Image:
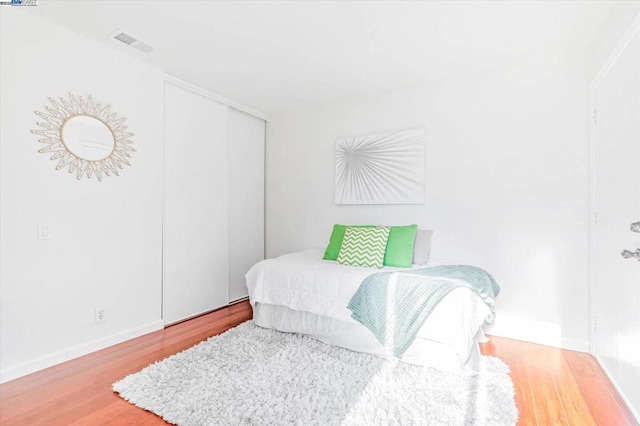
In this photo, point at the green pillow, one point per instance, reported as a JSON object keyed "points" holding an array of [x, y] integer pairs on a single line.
{"points": [[400, 246], [364, 246], [335, 242]]}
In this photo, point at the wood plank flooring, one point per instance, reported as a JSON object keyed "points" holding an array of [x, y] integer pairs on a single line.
{"points": [[553, 386], [559, 387]]}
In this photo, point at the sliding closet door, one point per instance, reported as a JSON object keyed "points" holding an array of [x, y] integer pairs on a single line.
{"points": [[195, 217], [246, 198]]}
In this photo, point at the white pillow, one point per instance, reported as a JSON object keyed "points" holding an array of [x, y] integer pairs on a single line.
{"points": [[422, 247]]}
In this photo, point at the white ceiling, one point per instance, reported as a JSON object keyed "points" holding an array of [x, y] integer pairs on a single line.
{"points": [[273, 56]]}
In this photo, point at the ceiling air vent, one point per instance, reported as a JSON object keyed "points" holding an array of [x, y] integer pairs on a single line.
{"points": [[125, 38], [132, 41]]}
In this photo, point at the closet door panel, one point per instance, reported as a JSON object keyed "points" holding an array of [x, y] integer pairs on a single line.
{"points": [[196, 194], [246, 198]]}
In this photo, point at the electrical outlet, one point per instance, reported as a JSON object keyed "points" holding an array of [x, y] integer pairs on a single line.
{"points": [[101, 315]]}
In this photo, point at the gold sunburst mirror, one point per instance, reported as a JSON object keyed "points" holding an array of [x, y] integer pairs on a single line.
{"points": [[85, 137]]}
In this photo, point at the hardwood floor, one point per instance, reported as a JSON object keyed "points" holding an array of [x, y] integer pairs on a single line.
{"points": [[553, 386], [559, 387]]}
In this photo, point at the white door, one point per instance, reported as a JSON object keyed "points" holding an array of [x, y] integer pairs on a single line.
{"points": [[195, 234], [246, 198], [616, 205]]}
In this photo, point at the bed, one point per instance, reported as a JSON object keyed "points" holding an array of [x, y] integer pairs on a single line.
{"points": [[303, 293]]}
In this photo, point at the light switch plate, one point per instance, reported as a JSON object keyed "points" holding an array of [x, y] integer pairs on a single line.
{"points": [[43, 232]]}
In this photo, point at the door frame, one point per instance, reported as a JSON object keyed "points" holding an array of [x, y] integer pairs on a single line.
{"points": [[623, 43]]}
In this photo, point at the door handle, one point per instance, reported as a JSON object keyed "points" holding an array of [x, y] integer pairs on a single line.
{"points": [[635, 227], [627, 254]]}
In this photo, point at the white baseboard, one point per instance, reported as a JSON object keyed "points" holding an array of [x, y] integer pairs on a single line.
{"points": [[238, 300], [622, 395], [58, 357], [575, 345], [540, 332]]}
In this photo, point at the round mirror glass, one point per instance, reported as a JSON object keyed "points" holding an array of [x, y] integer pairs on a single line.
{"points": [[87, 137]]}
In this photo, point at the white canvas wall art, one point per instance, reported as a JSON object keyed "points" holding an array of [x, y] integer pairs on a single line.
{"points": [[382, 168]]}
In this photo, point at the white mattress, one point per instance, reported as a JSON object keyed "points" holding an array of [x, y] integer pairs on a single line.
{"points": [[305, 282]]}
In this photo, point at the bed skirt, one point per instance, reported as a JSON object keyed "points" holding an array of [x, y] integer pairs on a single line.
{"points": [[357, 337]]}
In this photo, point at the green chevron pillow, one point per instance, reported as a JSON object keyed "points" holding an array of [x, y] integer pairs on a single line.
{"points": [[364, 246]]}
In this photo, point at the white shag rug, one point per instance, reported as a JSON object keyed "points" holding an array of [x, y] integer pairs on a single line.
{"points": [[255, 376]]}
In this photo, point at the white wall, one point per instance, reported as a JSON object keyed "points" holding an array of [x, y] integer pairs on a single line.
{"points": [[105, 249], [506, 183], [617, 22]]}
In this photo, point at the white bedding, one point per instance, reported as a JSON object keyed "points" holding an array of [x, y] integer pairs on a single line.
{"points": [[306, 283]]}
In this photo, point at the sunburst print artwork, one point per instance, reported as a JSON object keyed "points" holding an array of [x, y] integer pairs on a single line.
{"points": [[384, 168], [85, 137]]}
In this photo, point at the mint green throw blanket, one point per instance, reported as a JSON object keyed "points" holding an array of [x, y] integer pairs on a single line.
{"points": [[395, 305]]}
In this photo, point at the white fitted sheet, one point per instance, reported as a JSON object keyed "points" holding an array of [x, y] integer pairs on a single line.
{"points": [[304, 282]]}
